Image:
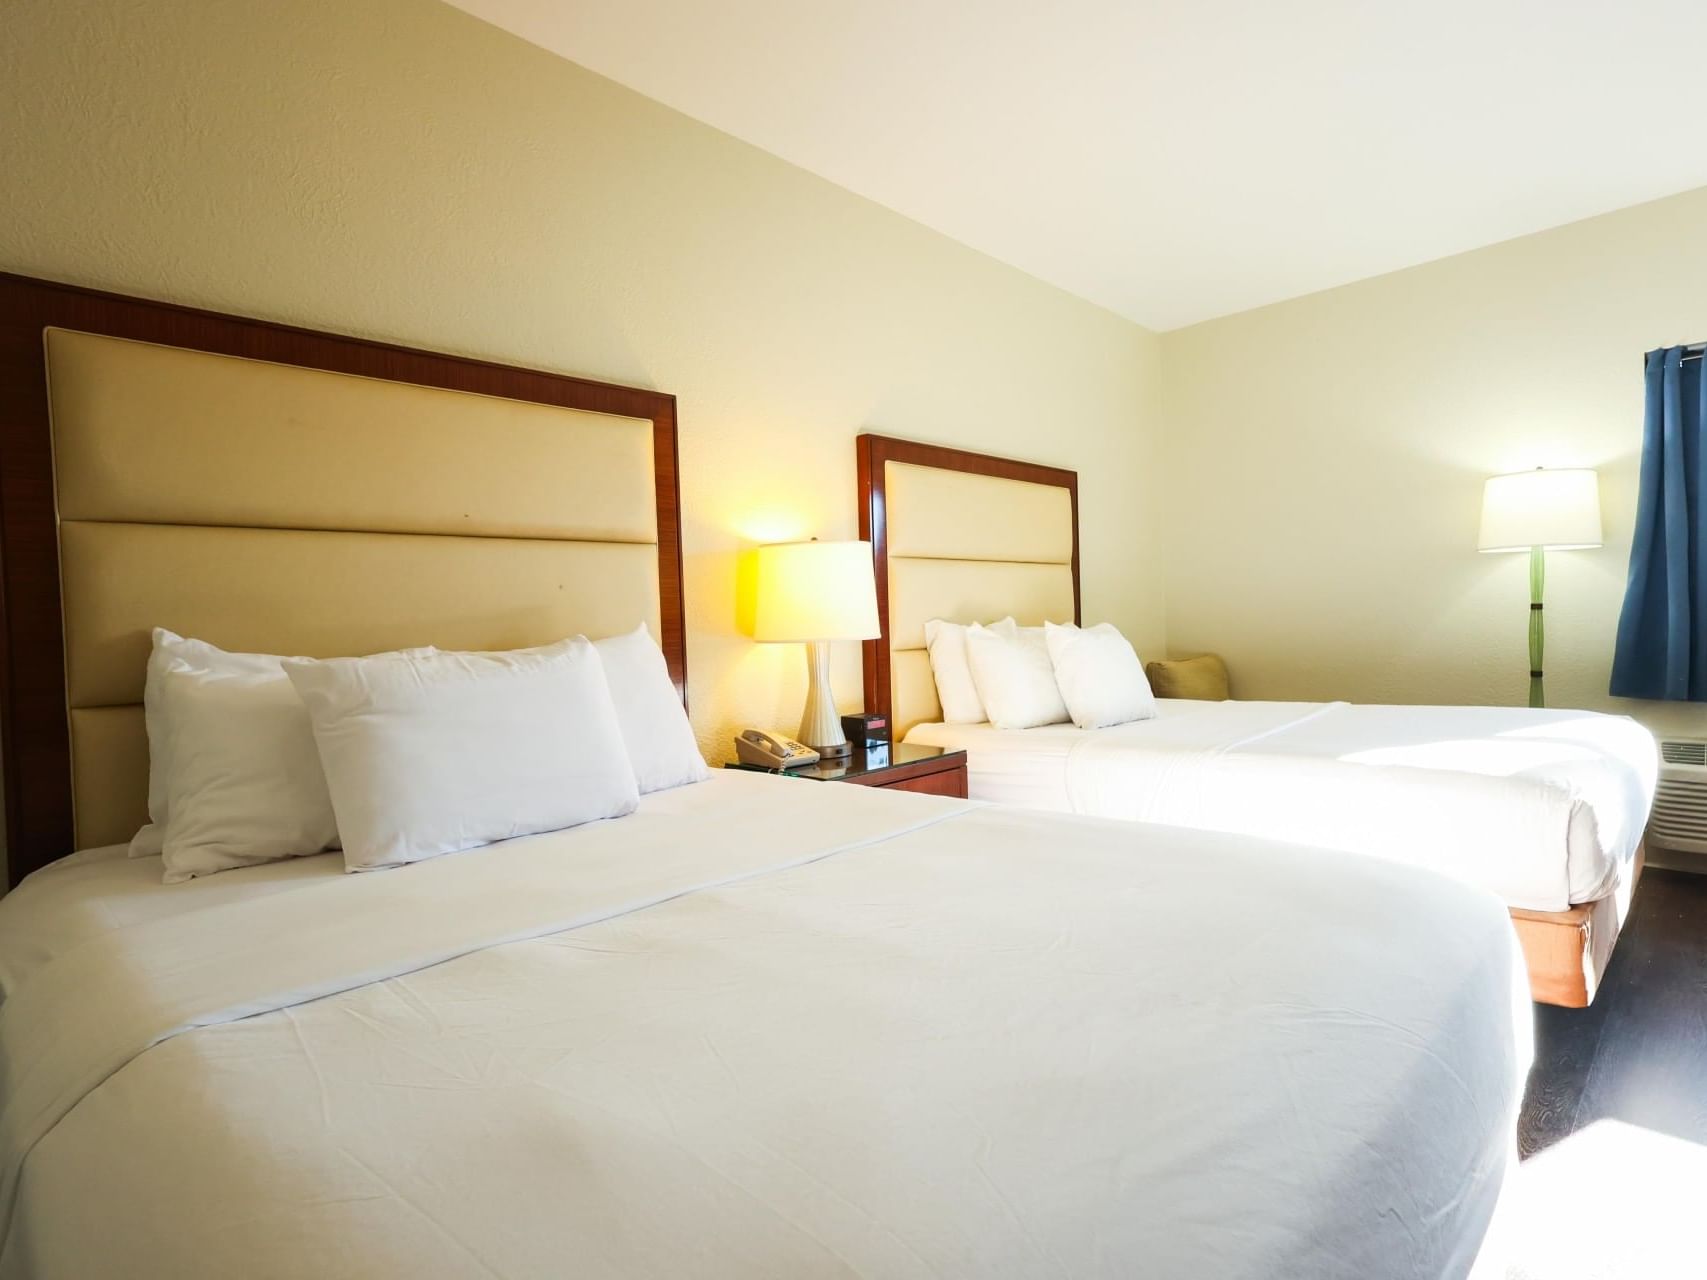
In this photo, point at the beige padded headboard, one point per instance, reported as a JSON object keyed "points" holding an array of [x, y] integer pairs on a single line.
{"points": [[960, 536], [294, 511], [333, 497], [276, 509]]}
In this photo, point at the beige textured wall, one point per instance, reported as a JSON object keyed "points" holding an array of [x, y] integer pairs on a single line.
{"points": [[397, 169], [1324, 462]]}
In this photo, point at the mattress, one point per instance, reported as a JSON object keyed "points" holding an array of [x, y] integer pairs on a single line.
{"points": [[761, 1028], [1543, 808]]}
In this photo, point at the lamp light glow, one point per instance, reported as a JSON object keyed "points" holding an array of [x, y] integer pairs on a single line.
{"points": [[807, 591], [1555, 510]]}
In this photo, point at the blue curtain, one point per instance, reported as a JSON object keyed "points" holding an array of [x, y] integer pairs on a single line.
{"points": [[1662, 632]]}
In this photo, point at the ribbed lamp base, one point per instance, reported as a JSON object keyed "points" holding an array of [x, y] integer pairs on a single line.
{"points": [[820, 723]]}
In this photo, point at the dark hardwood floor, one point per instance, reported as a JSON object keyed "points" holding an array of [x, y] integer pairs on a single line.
{"points": [[1639, 1052]]}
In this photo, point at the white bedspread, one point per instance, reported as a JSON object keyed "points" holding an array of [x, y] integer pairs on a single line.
{"points": [[762, 1028], [1544, 808]]}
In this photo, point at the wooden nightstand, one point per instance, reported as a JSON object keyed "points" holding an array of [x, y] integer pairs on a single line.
{"points": [[900, 767]]}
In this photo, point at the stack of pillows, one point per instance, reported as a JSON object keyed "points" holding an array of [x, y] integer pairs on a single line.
{"points": [[399, 756], [1021, 677]]}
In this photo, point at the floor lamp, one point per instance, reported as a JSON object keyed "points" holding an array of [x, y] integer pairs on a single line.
{"points": [[1540, 511]]}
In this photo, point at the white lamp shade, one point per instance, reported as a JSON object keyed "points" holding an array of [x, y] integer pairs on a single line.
{"points": [[807, 591], [1558, 510]]}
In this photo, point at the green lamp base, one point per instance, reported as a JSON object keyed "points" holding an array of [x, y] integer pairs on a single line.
{"points": [[1537, 631]]}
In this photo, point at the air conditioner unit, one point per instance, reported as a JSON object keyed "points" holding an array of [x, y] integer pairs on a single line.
{"points": [[1679, 820]]}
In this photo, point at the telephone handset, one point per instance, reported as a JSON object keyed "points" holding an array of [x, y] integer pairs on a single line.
{"points": [[755, 746]]}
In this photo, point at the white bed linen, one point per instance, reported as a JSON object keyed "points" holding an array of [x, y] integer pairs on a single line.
{"points": [[931, 1039], [1544, 808]]}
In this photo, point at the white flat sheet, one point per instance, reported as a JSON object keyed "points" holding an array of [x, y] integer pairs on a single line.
{"points": [[763, 1028], [1544, 808]]}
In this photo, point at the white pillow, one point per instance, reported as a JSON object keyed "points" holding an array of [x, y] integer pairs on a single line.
{"points": [[1014, 676], [432, 753], [1099, 675], [173, 652], [244, 785], [945, 642], [655, 727]]}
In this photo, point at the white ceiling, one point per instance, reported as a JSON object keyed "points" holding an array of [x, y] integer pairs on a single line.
{"points": [[1176, 161]]}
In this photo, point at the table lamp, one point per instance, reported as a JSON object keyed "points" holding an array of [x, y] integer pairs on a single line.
{"points": [[812, 593], [1539, 511]]}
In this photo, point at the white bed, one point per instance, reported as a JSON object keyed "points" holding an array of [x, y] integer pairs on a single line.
{"points": [[1543, 808], [716, 1039]]}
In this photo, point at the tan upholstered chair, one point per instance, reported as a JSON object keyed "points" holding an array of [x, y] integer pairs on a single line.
{"points": [[1204, 678]]}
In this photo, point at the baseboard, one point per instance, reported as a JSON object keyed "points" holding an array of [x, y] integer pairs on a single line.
{"points": [[1677, 860]]}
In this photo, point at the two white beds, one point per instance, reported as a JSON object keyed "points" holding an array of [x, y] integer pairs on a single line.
{"points": [[1545, 809], [757, 1028]]}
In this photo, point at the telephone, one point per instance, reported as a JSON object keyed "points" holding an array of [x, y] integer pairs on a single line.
{"points": [[755, 746]]}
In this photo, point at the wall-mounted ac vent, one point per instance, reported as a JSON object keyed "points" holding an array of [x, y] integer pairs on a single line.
{"points": [[1684, 751], [1679, 820]]}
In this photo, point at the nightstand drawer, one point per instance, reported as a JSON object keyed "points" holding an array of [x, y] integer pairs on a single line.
{"points": [[948, 782]]}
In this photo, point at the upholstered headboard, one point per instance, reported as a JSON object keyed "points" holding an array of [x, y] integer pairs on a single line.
{"points": [[962, 536], [283, 491]]}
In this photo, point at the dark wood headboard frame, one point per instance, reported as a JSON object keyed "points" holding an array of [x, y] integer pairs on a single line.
{"points": [[34, 735], [874, 452]]}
